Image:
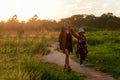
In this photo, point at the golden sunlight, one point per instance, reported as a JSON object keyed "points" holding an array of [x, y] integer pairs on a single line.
{"points": [[45, 9], [49, 9]]}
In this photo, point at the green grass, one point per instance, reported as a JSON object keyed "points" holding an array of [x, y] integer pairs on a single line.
{"points": [[13, 53], [20, 60], [23, 46], [104, 52], [32, 70]]}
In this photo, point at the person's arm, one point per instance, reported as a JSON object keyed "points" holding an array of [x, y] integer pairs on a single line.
{"points": [[60, 38], [75, 35]]}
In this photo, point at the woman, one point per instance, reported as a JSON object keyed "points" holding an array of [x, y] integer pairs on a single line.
{"points": [[65, 40]]}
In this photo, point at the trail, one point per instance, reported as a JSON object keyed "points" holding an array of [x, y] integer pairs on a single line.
{"points": [[91, 74]]}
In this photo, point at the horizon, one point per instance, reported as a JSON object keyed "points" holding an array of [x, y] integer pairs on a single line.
{"points": [[51, 19], [56, 9]]}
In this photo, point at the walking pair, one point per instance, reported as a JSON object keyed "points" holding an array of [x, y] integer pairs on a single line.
{"points": [[65, 41]]}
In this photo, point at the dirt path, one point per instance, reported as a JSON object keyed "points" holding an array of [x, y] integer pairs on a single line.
{"points": [[91, 74]]}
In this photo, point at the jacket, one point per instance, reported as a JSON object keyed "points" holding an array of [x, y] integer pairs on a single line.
{"points": [[82, 45], [64, 41]]}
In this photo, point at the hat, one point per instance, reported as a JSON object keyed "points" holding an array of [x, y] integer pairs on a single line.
{"points": [[81, 30]]}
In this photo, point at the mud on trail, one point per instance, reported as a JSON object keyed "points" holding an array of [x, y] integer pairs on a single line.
{"points": [[58, 58]]}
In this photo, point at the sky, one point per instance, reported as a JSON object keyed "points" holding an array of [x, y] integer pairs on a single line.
{"points": [[56, 9]]}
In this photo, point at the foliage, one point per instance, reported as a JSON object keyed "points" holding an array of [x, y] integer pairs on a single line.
{"points": [[104, 52], [105, 21], [35, 25]]}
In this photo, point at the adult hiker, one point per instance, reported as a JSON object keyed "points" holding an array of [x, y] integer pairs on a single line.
{"points": [[82, 47], [65, 40]]}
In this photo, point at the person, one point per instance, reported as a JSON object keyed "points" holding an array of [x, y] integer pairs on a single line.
{"points": [[82, 47], [65, 41]]}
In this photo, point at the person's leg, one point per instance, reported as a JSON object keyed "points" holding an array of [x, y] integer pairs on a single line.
{"points": [[81, 60], [66, 65], [67, 60]]}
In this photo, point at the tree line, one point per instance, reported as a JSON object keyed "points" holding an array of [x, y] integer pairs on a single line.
{"points": [[105, 21], [34, 24]]}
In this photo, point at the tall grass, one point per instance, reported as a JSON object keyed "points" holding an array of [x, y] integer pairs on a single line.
{"points": [[32, 70], [104, 51], [15, 50], [13, 53], [20, 55], [27, 46]]}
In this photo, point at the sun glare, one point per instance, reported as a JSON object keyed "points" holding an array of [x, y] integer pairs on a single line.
{"points": [[49, 8], [45, 9]]}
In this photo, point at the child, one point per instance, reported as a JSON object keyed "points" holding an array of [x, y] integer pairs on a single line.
{"points": [[82, 47]]}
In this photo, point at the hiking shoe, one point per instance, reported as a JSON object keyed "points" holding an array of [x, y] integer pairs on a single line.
{"points": [[81, 65]]}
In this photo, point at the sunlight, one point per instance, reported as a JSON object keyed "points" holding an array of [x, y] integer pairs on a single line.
{"points": [[45, 9], [49, 9], [55, 9]]}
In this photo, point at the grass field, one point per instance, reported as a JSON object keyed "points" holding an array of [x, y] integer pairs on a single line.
{"points": [[20, 58], [104, 51]]}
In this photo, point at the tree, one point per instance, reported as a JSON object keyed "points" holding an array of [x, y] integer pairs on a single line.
{"points": [[12, 24], [33, 24], [113, 25], [14, 19]]}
